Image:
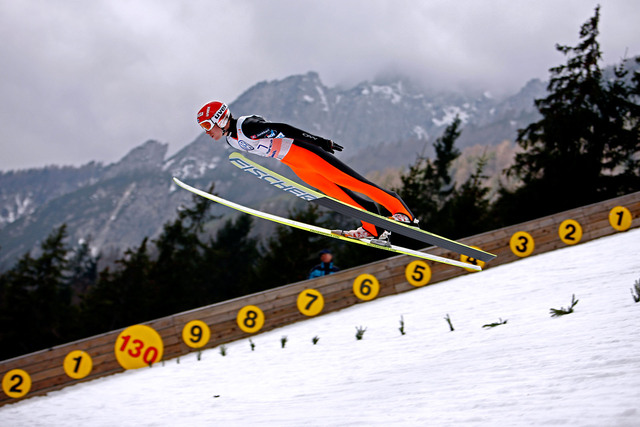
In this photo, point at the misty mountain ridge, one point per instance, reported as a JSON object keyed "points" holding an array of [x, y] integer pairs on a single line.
{"points": [[382, 125]]}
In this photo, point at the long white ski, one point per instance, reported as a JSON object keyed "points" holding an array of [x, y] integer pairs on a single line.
{"points": [[310, 195], [322, 231]]}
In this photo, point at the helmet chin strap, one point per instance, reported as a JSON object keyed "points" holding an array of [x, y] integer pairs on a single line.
{"points": [[228, 126]]}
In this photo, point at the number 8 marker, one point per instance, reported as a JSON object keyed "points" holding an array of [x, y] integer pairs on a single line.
{"points": [[250, 319]]}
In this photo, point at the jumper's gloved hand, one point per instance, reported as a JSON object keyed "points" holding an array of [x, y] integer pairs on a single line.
{"points": [[329, 145]]}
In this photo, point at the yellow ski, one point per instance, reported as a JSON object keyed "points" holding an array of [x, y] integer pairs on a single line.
{"points": [[310, 195], [322, 231]]}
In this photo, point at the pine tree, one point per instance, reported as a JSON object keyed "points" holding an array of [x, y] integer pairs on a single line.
{"points": [[82, 270], [36, 310], [428, 184], [290, 253], [121, 297], [178, 276], [229, 262], [443, 206], [466, 211], [586, 147]]}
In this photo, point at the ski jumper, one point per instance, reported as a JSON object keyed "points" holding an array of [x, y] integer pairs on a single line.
{"points": [[300, 151]]}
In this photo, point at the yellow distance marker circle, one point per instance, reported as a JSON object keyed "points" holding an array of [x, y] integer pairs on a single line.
{"points": [[570, 231], [366, 287], [250, 319], [310, 302], [522, 244], [470, 260], [418, 273], [620, 218], [138, 346], [196, 334], [78, 364], [16, 383]]}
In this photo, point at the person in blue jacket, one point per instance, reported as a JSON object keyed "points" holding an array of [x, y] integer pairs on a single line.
{"points": [[325, 267]]}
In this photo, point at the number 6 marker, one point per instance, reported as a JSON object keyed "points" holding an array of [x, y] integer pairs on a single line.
{"points": [[366, 287]]}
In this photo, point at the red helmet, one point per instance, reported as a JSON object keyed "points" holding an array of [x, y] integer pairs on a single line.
{"points": [[213, 113]]}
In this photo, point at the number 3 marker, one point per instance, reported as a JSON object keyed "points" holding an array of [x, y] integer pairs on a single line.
{"points": [[522, 244]]}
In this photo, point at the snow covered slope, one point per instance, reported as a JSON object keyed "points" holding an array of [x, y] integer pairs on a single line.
{"points": [[582, 369]]}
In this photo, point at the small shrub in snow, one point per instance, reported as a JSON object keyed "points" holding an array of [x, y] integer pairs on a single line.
{"points": [[402, 325], [253, 346], [360, 332], [223, 350], [493, 325], [448, 319], [636, 291], [283, 341], [563, 311], [315, 340]]}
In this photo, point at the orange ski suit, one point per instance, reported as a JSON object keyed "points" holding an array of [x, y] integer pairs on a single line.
{"points": [[306, 155], [332, 177]]}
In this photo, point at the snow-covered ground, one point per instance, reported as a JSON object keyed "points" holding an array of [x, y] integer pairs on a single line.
{"points": [[582, 369]]}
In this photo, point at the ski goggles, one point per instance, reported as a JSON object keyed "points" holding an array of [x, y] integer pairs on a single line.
{"points": [[207, 124]]}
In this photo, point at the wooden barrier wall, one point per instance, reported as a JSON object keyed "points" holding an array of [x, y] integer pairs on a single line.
{"points": [[40, 372]]}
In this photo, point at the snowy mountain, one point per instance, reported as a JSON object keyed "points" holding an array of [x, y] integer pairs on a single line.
{"points": [[382, 124], [387, 110]]}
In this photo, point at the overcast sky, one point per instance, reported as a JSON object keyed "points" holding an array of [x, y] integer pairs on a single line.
{"points": [[90, 80]]}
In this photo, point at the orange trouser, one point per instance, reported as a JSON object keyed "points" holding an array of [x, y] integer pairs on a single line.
{"points": [[325, 172]]}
